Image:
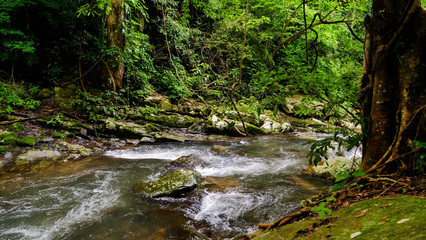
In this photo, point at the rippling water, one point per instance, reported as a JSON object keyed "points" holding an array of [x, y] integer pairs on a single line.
{"points": [[92, 198]]}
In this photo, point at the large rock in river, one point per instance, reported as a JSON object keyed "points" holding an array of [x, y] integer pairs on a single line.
{"points": [[174, 184], [189, 162]]}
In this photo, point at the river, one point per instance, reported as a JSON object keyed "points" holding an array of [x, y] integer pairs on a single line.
{"points": [[92, 198]]}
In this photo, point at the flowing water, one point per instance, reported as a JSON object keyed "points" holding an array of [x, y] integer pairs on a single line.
{"points": [[92, 198]]}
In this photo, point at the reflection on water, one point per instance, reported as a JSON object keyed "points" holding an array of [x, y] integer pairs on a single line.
{"points": [[92, 198]]}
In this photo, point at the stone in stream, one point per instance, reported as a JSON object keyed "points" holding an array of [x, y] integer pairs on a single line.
{"points": [[174, 184], [189, 162], [219, 150]]}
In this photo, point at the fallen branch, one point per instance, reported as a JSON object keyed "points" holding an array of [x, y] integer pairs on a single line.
{"points": [[18, 120]]}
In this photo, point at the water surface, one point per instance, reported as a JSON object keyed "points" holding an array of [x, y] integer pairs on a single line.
{"points": [[92, 198]]}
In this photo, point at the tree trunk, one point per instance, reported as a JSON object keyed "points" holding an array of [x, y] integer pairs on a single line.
{"points": [[393, 86], [115, 24]]}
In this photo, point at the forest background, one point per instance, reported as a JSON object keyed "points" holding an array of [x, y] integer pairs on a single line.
{"points": [[248, 55]]}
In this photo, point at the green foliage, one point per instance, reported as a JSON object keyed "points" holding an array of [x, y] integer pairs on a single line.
{"points": [[322, 209], [14, 96], [341, 177], [55, 120], [420, 155]]}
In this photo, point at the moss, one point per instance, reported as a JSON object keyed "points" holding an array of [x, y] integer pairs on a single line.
{"points": [[3, 149], [381, 221], [41, 165], [28, 141], [8, 138], [17, 127], [172, 183], [58, 135]]}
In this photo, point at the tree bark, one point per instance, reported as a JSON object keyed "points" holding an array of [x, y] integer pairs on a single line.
{"points": [[393, 85], [115, 24]]}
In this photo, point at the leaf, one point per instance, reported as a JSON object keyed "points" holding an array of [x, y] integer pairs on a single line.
{"points": [[337, 186], [358, 174], [275, 110], [361, 214], [321, 215], [342, 176], [329, 199]]}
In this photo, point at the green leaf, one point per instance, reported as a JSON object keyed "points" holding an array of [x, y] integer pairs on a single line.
{"points": [[358, 174], [276, 110], [342, 176], [337, 186], [321, 215]]}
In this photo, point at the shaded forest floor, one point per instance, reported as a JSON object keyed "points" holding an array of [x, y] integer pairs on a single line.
{"points": [[378, 207]]}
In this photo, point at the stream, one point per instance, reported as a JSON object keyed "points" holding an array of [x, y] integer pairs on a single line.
{"points": [[92, 198]]}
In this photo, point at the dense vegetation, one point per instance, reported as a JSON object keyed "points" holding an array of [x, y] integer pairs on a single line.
{"points": [[254, 53]]}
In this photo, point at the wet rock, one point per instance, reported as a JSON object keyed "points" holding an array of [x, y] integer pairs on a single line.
{"points": [[174, 184], [219, 150], [173, 120], [189, 162], [133, 141], [332, 167], [74, 148], [169, 137], [221, 184], [127, 129], [35, 155]]}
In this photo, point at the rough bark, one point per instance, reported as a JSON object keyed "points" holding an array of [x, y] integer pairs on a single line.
{"points": [[393, 85], [115, 24]]}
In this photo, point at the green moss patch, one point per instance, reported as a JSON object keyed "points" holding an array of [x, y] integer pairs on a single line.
{"points": [[28, 141], [382, 218]]}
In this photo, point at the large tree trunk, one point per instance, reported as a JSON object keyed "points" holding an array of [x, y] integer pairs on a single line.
{"points": [[115, 24], [393, 85]]}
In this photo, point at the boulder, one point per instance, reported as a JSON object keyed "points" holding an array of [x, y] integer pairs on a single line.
{"points": [[219, 150], [74, 148], [169, 137], [173, 120], [127, 129], [230, 127], [332, 167], [36, 155], [175, 184], [189, 162], [271, 126]]}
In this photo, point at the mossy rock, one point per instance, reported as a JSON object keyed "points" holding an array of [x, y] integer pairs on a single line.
{"points": [[127, 129], [175, 184], [58, 135], [28, 141], [332, 167], [386, 218], [189, 162], [8, 138], [44, 93], [174, 120], [169, 137], [219, 149]]}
